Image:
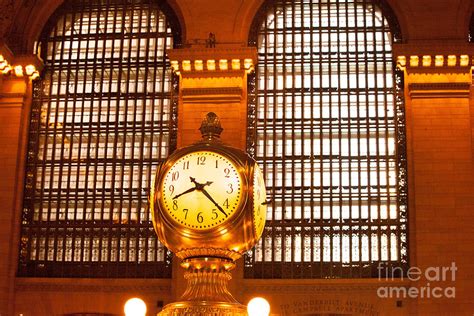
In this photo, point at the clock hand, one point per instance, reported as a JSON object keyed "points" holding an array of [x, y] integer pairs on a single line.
{"points": [[187, 191], [212, 200], [199, 186]]}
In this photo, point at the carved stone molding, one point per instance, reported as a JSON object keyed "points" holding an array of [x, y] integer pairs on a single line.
{"points": [[199, 95], [441, 47], [14, 95], [439, 90], [213, 53], [192, 62], [27, 66], [90, 285], [199, 91], [319, 286]]}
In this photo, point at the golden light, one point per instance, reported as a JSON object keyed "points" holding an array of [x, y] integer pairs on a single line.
{"points": [[18, 70], [464, 60], [186, 65], [6, 69], [235, 64], [426, 61], [175, 65], [451, 60], [211, 64], [414, 60], [223, 64], [135, 307], [258, 306], [198, 65], [35, 75], [248, 64], [3, 62], [439, 60], [30, 69], [402, 61]]}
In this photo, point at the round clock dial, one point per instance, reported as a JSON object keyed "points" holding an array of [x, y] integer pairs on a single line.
{"points": [[259, 201], [201, 190]]}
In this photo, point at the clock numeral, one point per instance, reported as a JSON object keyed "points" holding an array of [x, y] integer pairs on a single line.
{"points": [[231, 188], [171, 189], [185, 210], [185, 165], [227, 172], [175, 175], [226, 203], [217, 163], [215, 215], [175, 205], [199, 218], [201, 160]]}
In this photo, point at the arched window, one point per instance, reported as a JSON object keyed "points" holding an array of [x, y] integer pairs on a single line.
{"points": [[102, 118], [326, 123]]}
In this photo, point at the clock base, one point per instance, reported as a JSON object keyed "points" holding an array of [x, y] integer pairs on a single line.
{"points": [[206, 291], [203, 308]]}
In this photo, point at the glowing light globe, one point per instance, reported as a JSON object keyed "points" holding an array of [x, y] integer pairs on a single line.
{"points": [[258, 306], [135, 307]]}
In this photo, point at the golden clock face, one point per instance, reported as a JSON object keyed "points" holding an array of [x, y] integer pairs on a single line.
{"points": [[259, 198], [202, 190]]}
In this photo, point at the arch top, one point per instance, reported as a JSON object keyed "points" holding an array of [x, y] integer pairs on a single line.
{"points": [[269, 5], [35, 18]]}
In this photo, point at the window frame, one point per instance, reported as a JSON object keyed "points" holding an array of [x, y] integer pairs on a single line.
{"points": [[30, 264], [311, 269]]}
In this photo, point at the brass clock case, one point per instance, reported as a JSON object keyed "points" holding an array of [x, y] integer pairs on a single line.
{"points": [[228, 239]]}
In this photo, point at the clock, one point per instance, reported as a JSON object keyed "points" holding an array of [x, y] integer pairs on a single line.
{"points": [[202, 190], [208, 198], [259, 201], [208, 204]]}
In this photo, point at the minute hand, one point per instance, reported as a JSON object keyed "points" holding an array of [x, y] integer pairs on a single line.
{"points": [[212, 200], [187, 191]]}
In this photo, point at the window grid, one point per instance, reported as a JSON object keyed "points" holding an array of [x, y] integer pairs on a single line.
{"points": [[326, 124], [100, 124]]}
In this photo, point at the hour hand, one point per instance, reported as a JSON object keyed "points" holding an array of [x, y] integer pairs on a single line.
{"points": [[187, 191], [212, 200], [199, 186]]}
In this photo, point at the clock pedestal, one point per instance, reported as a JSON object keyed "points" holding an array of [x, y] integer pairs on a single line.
{"points": [[208, 205], [206, 292]]}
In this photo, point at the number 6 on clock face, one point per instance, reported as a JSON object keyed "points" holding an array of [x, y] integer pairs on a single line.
{"points": [[201, 190]]}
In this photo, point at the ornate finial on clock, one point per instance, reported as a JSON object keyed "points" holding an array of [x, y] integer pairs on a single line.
{"points": [[211, 128]]}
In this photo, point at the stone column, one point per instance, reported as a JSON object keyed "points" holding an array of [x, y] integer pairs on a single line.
{"points": [[212, 80], [15, 100], [440, 125]]}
